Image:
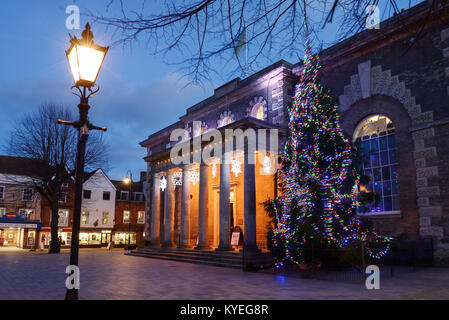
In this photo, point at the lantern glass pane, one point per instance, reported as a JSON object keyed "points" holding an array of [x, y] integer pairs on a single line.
{"points": [[73, 62], [89, 62]]}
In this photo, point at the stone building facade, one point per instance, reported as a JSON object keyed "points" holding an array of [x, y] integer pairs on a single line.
{"points": [[392, 85]]}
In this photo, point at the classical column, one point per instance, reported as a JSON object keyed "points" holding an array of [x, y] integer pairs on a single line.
{"points": [[249, 207], [169, 214], [185, 209], [155, 213], [203, 210], [225, 219]]}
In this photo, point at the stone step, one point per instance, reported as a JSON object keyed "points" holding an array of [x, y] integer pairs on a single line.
{"points": [[209, 257], [188, 255], [179, 259], [193, 251]]}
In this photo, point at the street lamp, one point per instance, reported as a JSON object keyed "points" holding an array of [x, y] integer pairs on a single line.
{"points": [[129, 181], [85, 60]]}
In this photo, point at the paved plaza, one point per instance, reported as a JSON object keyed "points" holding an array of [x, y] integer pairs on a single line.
{"points": [[112, 275]]}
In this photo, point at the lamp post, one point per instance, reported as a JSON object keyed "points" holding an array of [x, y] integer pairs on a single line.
{"points": [[85, 59], [129, 181]]}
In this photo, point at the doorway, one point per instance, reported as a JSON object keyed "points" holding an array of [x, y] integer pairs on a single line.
{"points": [[216, 213]]}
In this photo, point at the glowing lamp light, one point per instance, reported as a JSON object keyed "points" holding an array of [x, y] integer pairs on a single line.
{"points": [[85, 58]]}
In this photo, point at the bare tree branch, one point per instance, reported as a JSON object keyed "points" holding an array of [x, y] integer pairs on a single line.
{"points": [[206, 31]]}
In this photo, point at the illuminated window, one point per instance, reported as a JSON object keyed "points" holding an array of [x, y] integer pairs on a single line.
{"points": [[85, 217], [375, 139], [105, 217], [2, 212], [260, 112], [126, 215], [26, 214], [63, 217], [141, 217]]}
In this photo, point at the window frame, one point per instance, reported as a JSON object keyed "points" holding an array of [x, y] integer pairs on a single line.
{"points": [[359, 139], [124, 192], [65, 197], [4, 211], [103, 218], [2, 193], [23, 194], [90, 194], [138, 217], [107, 193], [135, 194], [86, 213], [129, 216], [66, 219]]}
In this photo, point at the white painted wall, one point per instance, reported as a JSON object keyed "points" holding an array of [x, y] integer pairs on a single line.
{"points": [[97, 184]]}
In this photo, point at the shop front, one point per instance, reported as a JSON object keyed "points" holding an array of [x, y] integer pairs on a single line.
{"points": [[64, 234], [18, 232], [95, 238], [121, 238]]}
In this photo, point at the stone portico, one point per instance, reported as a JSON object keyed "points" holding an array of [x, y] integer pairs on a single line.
{"points": [[197, 204]]}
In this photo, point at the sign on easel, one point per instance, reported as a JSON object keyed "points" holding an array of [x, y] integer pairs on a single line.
{"points": [[235, 239]]}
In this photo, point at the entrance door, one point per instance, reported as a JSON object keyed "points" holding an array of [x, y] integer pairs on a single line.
{"points": [[105, 238], [216, 214]]}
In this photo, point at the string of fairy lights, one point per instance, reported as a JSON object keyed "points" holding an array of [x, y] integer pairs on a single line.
{"points": [[318, 176]]}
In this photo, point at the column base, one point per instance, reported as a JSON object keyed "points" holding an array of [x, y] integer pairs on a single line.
{"points": [[224, 248], [202, 247], [155, 244], [184, 246], [168, 245]]}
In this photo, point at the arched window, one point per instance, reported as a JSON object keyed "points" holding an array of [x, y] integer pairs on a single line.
{"points": [[374, 137], [260, 112]]}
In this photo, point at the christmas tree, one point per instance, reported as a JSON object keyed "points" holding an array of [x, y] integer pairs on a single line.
{"points": [[318, 180]]}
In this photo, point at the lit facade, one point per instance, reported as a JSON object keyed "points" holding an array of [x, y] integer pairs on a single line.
{"points": [[393, 106]]}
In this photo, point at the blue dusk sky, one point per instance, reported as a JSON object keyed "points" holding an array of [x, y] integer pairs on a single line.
{"points": [[140, 93]]}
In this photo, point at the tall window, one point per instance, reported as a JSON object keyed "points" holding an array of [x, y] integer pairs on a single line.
{"points": [[2, 193], [63, 217], [375, 140], [85, 217], [27, 194], [126, 216], [2, 212], [141, 217], [105, 217]]}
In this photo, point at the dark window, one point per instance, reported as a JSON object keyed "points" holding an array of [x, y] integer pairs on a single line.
{"points": [[86, 194], [27, 194], [63, 197], [106, 195], [124, 195]]}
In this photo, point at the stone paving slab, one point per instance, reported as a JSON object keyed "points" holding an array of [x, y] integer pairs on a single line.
{"points": [[112, 275]]}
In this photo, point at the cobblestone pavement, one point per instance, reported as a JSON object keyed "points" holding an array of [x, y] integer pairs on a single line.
{"points": [[112, 275]]}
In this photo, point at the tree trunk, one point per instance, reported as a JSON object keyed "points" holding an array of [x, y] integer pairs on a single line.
{"points": [[55, 246]]}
